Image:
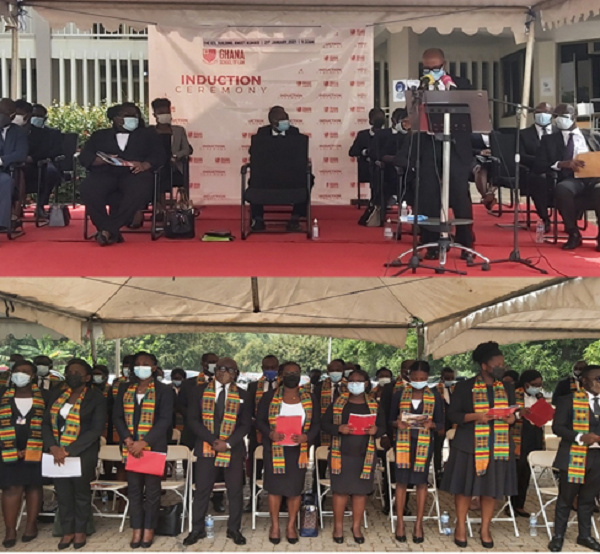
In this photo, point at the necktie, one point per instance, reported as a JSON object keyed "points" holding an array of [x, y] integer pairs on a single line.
{"points": [[596, 408], [570, 152], [220, 407], [336, 392], [270, 385]]}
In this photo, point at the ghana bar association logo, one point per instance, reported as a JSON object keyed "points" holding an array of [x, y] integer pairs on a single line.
{"points": [[223, 56]]}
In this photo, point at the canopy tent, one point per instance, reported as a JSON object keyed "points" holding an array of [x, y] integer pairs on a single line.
{"points": [[454, 314]]}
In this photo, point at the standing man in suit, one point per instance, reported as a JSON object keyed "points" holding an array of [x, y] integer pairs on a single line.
{"points": [[13, 149], [219, 417], [569, 384], [529, 144], [577, 423], [558, 152]]}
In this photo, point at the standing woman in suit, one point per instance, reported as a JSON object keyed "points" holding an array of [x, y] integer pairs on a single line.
{"points": [[352, 457], [21, 413], [481, 461], [285, 466], [143, 415], [73, 423], [414, 447]]}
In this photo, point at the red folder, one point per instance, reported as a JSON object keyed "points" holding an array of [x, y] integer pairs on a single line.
{"points": [[359, 424], [540, 413], [152, 463], [502, 412], [288, 426]]}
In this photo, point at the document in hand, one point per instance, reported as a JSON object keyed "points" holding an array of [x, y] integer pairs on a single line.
{"points": [[416, 421], [288, 426], [540, 413], [71, 467], [500, 413], [359, 424], [592, 165], [152, 463], [114, 160]]}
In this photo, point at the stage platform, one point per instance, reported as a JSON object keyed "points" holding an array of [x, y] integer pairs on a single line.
{"points": [[344, 249]]}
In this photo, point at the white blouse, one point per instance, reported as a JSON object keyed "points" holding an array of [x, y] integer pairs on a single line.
{"points": [[293, 410]]}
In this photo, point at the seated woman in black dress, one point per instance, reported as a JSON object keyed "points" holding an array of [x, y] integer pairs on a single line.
{"points": [[285, 466], [352, 456], [482, 461], [73, 423], [414, 443], [21, 414]]}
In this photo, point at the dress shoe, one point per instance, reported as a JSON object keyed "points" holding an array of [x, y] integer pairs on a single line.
{"points": [[338, 540], [589, 542], [147, 544], [274, 540], [9, 543], [385, 510], [401, 538], [461, 544], [78, 545], [486, 544], [218, 504], [292, 540], [464, 255], [556, 544], [293, 226], [418, 540], [102, 239], [358, 540], [236, 537], [574, 241], [258, 225], [29, 538], [194, 537], [432, 253], [64, 545]]}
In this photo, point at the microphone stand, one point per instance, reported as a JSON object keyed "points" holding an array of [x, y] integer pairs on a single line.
{"points": [[515, 254]]}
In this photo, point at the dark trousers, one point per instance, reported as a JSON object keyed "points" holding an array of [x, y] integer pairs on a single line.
{"points": [[541, 192], [586, 494], [567, 193], [144, 499], [438, 446], [7, 186], [99, 189], [523, 478], [206, 477], [74, 497], [50, 180]]}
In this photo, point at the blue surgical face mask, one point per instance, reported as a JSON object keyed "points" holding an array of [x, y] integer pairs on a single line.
{"points": [[436, 74], [384, 381], [336, 376], [143, 371], [356, 387], [130, 123], [283, 125], [38, 121], [176, 383], [211, 369], [98, 379], [564, 122], [419, 385], [347, 373], [270, 374], [448, 384], [126, 372], [543, 119], [20, 380], [43, 370], [534, 391]]}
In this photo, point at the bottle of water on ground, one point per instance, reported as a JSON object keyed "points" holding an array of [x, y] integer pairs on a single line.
{"points": [[403, 211], [210, 527], [533, 525], [445, 521], [388, 234], [315, 229], [539, 231]]}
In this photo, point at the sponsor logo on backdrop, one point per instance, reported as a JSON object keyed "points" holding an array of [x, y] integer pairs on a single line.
{"points": [[357, 32], [224, 56], [195, 134], [222, 160], [196, 160], [330, 58], [362, 121], [304, 84], [304, 109], [214, 196], [330, 96], [225, 84], [214, 147], [214, 173], [330, 147], [330, 172], [330, 71], [358, 109], [331, 84], [329, 196], [330, 185], [358, 83], [358, 58], [332, 45], [330, 160], [331, 134], [331, 109], [194, 185], [290, 96], [330, 121]]}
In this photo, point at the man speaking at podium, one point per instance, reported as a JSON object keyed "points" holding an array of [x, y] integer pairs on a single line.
{"points": [[435, 77]]}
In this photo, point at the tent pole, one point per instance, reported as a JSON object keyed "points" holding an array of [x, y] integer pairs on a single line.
{"points": [[14, 60], [117, 355], [329, 351], [530, 30], [93, 345]]}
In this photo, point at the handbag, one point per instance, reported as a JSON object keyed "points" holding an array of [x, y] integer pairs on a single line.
{"points": [[169, 520], [180, 218], [60, 216], [309, 526]]}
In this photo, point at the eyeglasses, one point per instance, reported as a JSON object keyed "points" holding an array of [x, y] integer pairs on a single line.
{"points": [[223, 368], [428, 69]]}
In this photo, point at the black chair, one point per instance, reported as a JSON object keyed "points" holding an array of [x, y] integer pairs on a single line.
{"points": [[280, 176], [67, 164], [168, 173]]}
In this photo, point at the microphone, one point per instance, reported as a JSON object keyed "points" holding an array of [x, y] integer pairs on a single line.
{"points": [[425, 81], [448, 82]]}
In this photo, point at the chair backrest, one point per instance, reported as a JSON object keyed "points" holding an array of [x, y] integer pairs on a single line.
{"points": [[390, 457], [278, 162], [541, 458], [503, 146], [102, 442], [176, 436], [177, 452], [110, 453], [322, 453], [70, 142], [258, 452], [552, 442]]}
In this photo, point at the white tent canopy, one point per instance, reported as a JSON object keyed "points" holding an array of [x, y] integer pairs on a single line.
{"points": [[455, 313], [444, 15]]}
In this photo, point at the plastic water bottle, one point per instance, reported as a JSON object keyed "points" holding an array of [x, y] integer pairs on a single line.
{"points": [[104, 501], [388, 234], [445, 521], [539, 231], [533, 525], [403, 211], [315, 229], [209, 525]]}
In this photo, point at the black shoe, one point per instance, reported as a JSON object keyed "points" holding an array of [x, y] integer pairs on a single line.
{"points": [[218, 505], [78, 545], [28, 538], [102, 239], [574, 241], [461, 544], [258, 225], [338, 540], [547, 226], [358, 540], [134, 545], [9, 543], [432, 253], [486, 544], [556, 544], [236, 537], [292, 540], [194, 537], [65, 545], [419, 540], [385, 510], [589, 542], [274, 540], [401, 538], [147, 544], [293, 226]]}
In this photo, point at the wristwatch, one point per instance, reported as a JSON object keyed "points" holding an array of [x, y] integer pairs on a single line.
{"points": [[228, 445]]}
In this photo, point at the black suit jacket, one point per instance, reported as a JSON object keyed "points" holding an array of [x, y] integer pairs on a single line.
{"points": [[144, 145], [267, 130], [364, 141], [563, 388], [44, 143], [15, 147], [202, 434], [14, 414], [92, 417], [529, 144], [158, 437], [184, 398], [461, 404]]}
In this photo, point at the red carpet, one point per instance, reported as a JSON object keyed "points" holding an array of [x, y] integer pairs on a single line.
{"points": [[345, 249]]}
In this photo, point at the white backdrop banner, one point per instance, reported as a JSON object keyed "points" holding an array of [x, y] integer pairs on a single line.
{"points": [[223, 82]]}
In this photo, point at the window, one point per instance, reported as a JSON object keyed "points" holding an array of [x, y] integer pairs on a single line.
{"points": [[513, 67]]}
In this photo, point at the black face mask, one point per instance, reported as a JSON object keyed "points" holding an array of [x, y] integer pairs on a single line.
{"points": [[74, 380], [498, 373], [4, 120], [378, 123], [315, 380], [291, 381]]}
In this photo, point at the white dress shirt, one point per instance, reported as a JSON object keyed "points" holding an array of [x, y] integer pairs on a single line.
{"points": [[541, 131], [277, 133], [219, 387], [24, 406], [122, 140]]}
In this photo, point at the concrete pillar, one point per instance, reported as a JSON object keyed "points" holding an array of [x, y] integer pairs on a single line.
{"points": [[43, 59], [544, 73], [403, 59]]}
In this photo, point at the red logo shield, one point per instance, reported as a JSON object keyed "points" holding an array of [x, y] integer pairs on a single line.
{"points": [[210, 55]]}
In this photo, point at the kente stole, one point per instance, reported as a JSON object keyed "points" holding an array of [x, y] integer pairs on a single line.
{"points": [[148, 408], [72, 423], [581, 424]]}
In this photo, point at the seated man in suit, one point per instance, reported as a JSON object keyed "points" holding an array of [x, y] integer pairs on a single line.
{"points": [[558, 152], [44, 143], [140, 148], [481, 167], [13, 149], [530, 140], [577, 423], [279, 127]]}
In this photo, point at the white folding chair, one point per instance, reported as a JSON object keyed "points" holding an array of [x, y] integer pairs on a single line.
{"points": [[176, 437], [431, 491], [552, 442], [324, 486], [110, 453], [177, 453], [217, 487], [258, 487], [23, 511], [379, 473], [541, 463], [497, 518]]}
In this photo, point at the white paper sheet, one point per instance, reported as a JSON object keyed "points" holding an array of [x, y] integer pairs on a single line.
{"points": [[71, 467]]}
